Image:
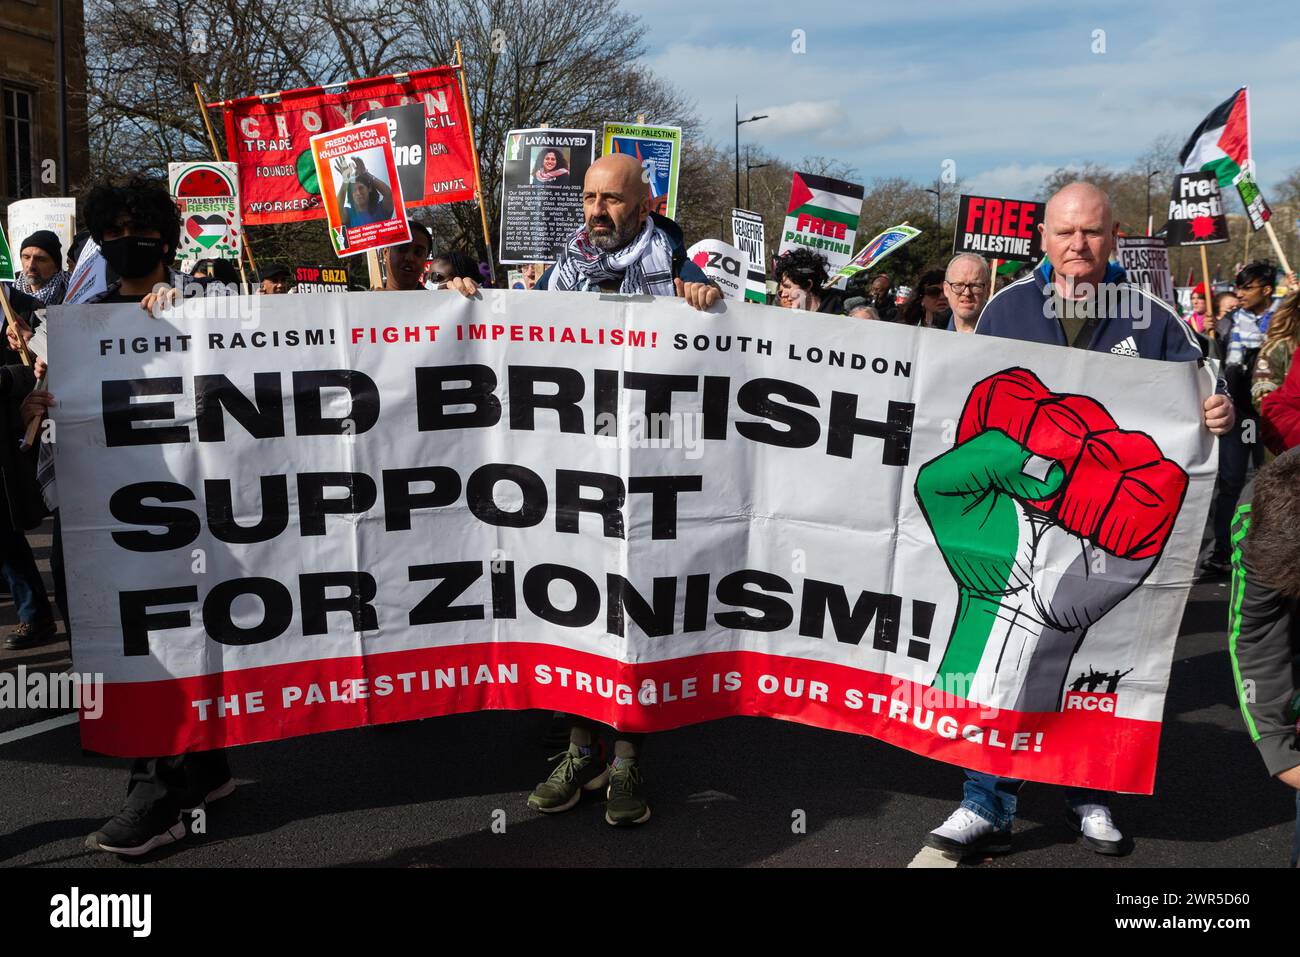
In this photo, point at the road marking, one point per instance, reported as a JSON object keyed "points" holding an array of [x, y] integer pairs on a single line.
{"points": [[40, 727], [932, 857]]}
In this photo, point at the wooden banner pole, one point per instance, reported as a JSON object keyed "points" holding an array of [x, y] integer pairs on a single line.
{"points": [[993, 277], [473, 152], [1209, 291], [1277, 247], [11, 321], [216, 156]]}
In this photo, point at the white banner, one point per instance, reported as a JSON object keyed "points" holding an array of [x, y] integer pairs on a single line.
{"points": [[323, 512], [723, 263], [747, 235], [1145, 261]]}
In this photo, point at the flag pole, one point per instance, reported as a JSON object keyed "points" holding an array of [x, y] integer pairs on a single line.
{"points": [[216, 157], [993, 276], [473, 152]]}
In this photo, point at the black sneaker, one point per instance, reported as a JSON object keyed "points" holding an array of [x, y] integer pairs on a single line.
{"points": [[26, 635], [137, 830], [213, 794], [1215, 569]]}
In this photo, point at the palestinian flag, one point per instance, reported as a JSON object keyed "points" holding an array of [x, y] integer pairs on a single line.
{"points": [[1221, 144], [6, 259], [822, 215]]}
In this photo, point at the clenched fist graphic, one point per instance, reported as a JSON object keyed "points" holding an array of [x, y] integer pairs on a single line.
{"points": [[1047, 514]]}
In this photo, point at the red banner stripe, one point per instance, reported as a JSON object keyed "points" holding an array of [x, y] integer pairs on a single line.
{"points": [[160, 717]]}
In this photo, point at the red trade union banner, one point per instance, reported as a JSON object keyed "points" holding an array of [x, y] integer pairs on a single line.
{"points": [[999, 228], [269, 138]]}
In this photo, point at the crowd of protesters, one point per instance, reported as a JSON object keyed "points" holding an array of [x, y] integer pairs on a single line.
{"points": [[624, 246]]}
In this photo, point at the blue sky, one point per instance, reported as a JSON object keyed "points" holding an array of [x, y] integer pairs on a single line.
{"points": [[1008, 90]]}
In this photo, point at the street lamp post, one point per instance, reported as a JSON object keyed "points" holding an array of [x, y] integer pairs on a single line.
{"points": [[938, 201], [748, 167], [536, 65], [1150, 173], [739, 122]]}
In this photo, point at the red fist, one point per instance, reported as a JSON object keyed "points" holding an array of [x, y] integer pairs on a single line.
{"points": [[1119, 491]]}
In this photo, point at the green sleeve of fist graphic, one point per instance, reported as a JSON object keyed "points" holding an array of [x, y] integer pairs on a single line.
{"points": [[971, 497]]}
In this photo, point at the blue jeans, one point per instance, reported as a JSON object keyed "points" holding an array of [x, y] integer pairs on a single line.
{"points": [[18, 566], [994, 798]]}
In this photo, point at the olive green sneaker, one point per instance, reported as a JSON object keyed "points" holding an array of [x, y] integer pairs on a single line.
{"points": [[574, 774], [627, 804]]}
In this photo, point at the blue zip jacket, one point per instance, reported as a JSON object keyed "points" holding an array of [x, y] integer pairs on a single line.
{"points": [[1136, 323]]}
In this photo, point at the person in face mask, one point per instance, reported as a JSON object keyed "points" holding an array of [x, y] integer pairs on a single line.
{"points": [[137, 228]]}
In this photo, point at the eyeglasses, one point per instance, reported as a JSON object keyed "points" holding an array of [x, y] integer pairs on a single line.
{"points": [[961, 288]]}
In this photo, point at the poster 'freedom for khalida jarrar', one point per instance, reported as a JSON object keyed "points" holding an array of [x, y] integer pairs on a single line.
{"points": [[415, 505], [541, 191], [361, 187]]}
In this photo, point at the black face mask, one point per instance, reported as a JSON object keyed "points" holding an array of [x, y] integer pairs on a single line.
{"points": [[133, 257]]}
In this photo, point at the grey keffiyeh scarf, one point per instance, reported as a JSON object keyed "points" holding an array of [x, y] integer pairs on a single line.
{"points": [[643, 266], [49, 294]]}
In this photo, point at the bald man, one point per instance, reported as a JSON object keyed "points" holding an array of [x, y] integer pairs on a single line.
{"points": [[622, 246], [1076, 298]]}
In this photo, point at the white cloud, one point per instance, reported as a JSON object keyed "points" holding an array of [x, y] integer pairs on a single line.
{"points": [[796, 119], [1013, 181]]}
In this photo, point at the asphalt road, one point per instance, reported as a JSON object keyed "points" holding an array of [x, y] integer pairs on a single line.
{"points": [[427, 793]]}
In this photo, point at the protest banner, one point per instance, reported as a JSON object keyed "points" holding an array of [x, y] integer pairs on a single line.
{"points": [[822, 215], [1196, 215], [269, 138], [541, 191], [207, 195], [58, 214], [1251, 198], [723, 263], [90, 277], [877, 249], [659, 151], [6, 259], [999, 228], [308, 279], [747, 236], [409, 505], [406, 130], [361, 188], [1145, 261]]}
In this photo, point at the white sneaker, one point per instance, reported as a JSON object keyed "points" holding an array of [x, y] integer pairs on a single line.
{"points": [[965, 832], [1098, 828]]}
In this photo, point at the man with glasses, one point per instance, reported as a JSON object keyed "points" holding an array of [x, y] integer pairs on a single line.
{"points": [[966, 287]]}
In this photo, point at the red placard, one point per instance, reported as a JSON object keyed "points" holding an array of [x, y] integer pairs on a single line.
{"points": [[269, 138]]}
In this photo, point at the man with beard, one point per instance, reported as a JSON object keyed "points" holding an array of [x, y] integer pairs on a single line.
{"points": [[622, 247], [40, 256]]}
